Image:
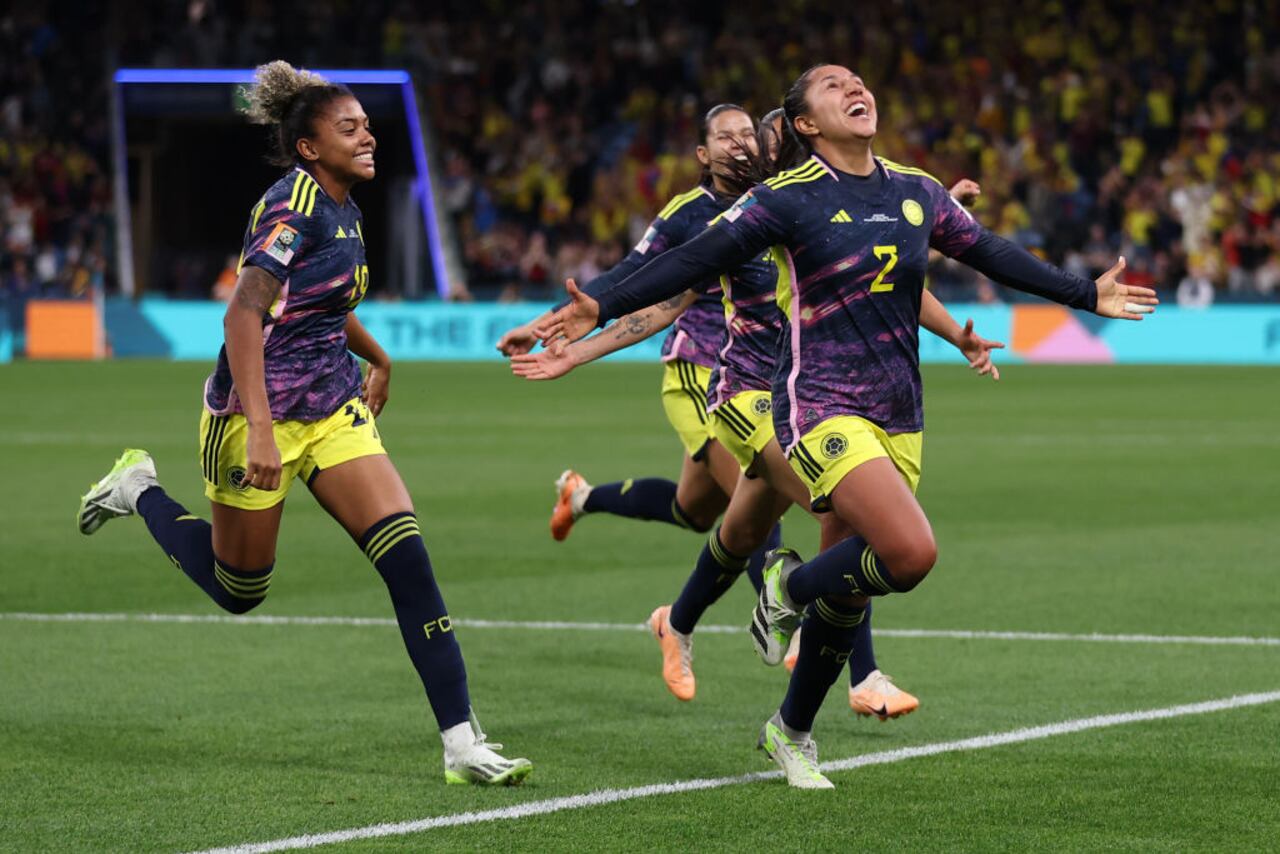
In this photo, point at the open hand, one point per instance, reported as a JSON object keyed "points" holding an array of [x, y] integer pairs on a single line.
{"points": [[1118, 300], [574, 321], [546, 364], [978, 351]]}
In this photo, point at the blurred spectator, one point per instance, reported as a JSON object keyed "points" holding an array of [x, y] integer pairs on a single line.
{"points": [[1095, 128]]}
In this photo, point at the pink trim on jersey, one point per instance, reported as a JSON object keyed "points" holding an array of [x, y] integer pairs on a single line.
{"points": [[824, 165], [276, 314], [795, 350], [675, 346], [723, 384], [231, 399]]}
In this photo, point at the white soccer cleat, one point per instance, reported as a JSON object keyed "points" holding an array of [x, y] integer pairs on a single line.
{"points": [[775, 618], [877, 695], [798, 761], [117, 494], [469, 758]]}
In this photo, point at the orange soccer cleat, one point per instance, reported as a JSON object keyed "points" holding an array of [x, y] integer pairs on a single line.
{"points": [[877, 695], [571, 491], [677, 654]]}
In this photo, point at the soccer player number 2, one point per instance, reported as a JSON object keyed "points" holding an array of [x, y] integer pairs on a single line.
{"points": [[888, 254]]}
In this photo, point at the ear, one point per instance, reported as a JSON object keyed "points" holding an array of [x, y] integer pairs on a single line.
{"points": [[307, 150], [704, 156], [805, 126]]}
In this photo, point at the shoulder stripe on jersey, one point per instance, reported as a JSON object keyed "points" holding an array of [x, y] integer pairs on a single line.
{"points": [[812, 167], [799, 176], [257, 214], [908, 170], [303, 198], [680, 201]]}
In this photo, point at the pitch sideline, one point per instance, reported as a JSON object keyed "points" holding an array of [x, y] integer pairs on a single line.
{"points": [[611, 796], [558, 625]]}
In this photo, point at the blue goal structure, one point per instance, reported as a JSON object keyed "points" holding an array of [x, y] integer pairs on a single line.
{"points": [[157, 95]]}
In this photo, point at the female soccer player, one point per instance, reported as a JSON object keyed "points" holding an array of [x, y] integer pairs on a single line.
{"points": [[287, 400], [739, 406], [708, 472], [851, 234]]}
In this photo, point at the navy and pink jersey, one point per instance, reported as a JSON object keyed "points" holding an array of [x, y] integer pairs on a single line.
{"points": [[698, 332], [752, 321], [851, 253], [315, 248]]}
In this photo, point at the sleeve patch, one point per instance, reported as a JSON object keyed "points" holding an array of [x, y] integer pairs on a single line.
{"points": [[647, 241], [747, 200], [282, 243]]}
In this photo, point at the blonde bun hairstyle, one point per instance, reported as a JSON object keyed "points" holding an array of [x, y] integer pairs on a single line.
{"points": [[288, 100]]}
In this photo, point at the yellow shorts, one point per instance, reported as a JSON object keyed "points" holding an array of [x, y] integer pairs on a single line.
{"points": [[744, 425], [684, 397], [837, 446], [306, 448]]}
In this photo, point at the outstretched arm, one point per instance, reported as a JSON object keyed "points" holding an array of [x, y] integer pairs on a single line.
{"points": [[711, 253], [374, 389], [935, 317], [1010, 264], [635, 327]]}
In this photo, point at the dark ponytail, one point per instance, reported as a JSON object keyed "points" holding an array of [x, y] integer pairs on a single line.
{"points": [[795, 149]]}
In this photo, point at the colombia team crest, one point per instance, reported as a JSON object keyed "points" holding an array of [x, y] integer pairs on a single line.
{"points": [[913, 212]]}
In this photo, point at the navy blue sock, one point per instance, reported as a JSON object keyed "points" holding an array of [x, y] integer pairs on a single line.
{"points": [[651, 498], [863, 658], [712, 575], [394, 546], [755, 569], [849, 568], [188, 541], [825, 640]]}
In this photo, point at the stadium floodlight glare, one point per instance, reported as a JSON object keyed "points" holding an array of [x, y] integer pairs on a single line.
{"points": [[356, 77]]}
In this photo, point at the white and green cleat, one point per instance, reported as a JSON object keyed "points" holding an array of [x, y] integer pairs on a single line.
{"points": [[775, 618], [798, 761], [117, 494], [470, 759]]}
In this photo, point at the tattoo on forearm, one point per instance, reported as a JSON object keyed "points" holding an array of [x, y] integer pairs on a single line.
{"points": [[673, 302], [637, 325], [257, 290]]}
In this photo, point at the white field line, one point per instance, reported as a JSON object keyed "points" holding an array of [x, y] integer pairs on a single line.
{"points": [[557, 625], [612, 796]]}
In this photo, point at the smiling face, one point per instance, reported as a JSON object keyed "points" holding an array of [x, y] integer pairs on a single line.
{"points": [[731, 135], [341, 142], [839, 106]]}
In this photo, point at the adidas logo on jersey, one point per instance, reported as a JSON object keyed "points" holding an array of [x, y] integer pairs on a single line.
{"points": [[842, 216], [340, 233]]}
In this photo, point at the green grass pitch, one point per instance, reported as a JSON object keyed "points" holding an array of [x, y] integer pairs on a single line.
{"points": [[1074, 500]]}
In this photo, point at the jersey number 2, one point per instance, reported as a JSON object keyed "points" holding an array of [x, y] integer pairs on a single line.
{"points": [[888, 254]]}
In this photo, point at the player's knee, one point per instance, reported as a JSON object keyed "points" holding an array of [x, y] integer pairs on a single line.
{"points": [[697, 519], [740, 539], [912, 563], [239, 591]]}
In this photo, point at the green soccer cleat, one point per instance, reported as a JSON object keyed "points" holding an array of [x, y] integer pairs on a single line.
{"points": [[799, 762], [117, 493], [775, 618], [470, 759]]}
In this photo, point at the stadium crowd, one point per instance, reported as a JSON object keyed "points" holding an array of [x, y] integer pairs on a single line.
{"points": [[1140, 128]]}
